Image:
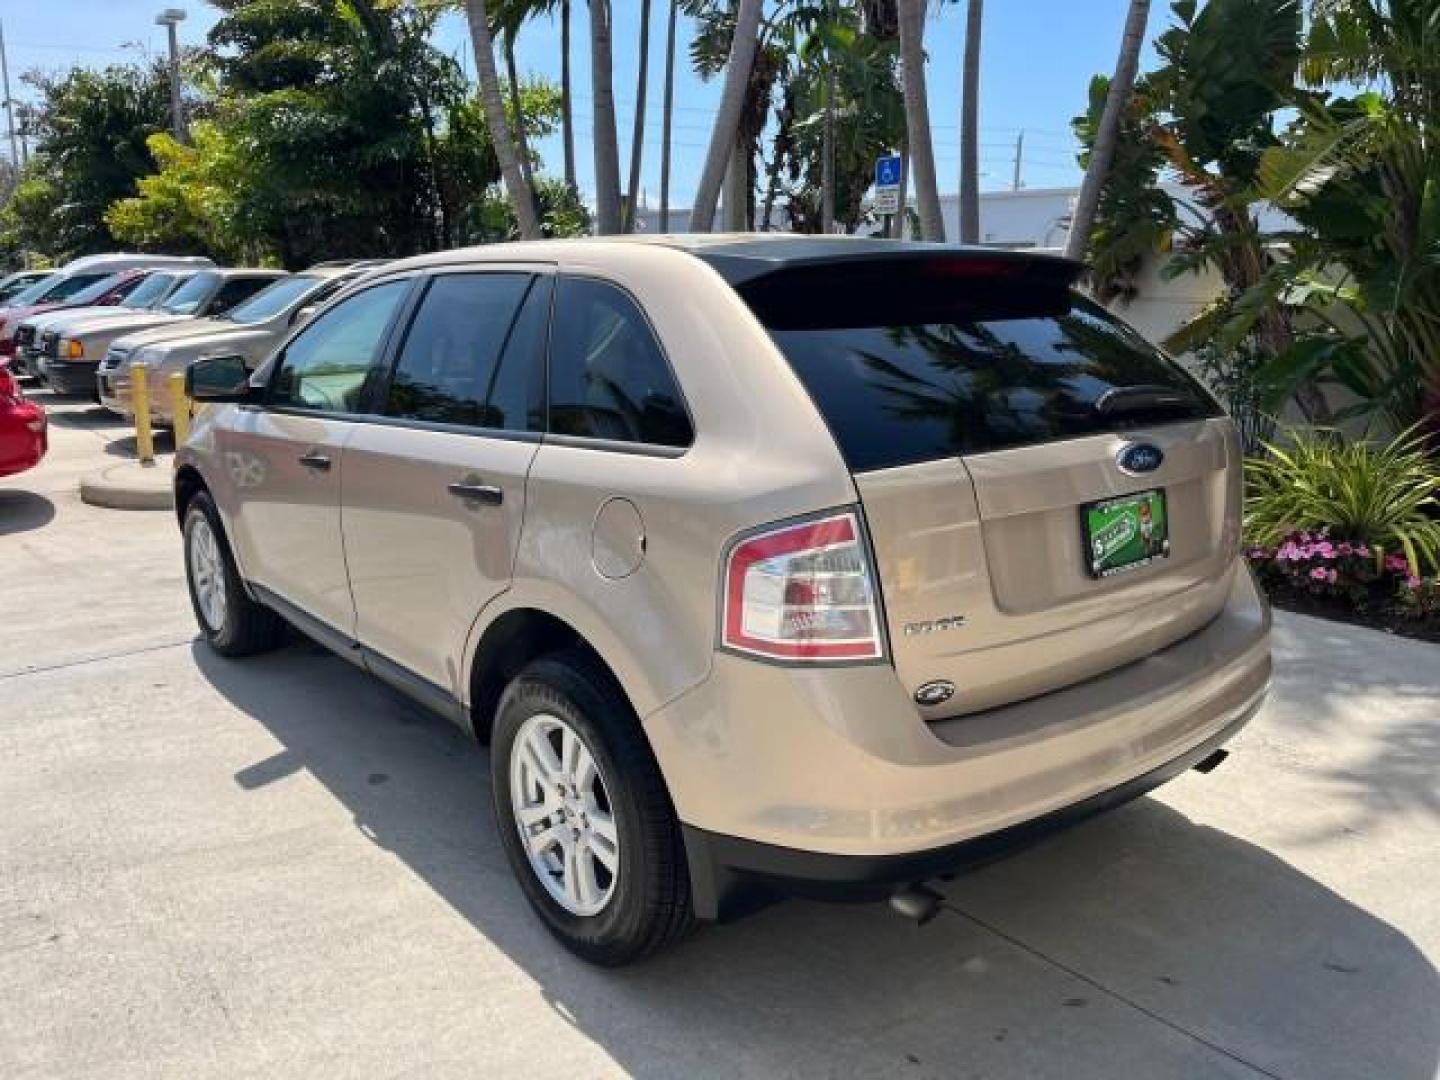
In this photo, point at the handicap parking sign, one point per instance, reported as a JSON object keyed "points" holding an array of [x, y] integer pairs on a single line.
{"points": [[887, 172]]}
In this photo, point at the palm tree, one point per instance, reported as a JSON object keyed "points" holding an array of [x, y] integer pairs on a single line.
{"points": [[917, 119], [667, 112], [507, 25], [567, 111], [607, 150], [1103, 152], [723, 136], [970, 128], [637, 140], [522, 198]]}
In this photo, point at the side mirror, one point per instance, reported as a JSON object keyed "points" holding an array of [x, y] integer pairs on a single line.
{"points": [[300, 314], [218, 378]]}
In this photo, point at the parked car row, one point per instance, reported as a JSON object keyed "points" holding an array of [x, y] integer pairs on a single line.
{"points": [[82, 329]]}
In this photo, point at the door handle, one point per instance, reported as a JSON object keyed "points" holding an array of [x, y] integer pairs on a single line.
{"points": [[488, 494], [316, 461]]}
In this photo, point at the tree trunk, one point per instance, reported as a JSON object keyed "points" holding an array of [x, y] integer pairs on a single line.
{"points": [[668, 112], [1102, 154], [522, 199], [607, 150], [917, 120], [567, 110], [727, 118], [970, 127], [637, 139], [827, 160], [736, 202], [522, 144]]}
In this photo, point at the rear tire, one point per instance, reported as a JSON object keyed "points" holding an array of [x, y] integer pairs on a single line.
{"points": [[231, 623], [614, 791]]}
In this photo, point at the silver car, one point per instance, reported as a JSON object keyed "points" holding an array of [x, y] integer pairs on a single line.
{"points": [[764, 565], [69, 361], [250, 330], [149, 292]]}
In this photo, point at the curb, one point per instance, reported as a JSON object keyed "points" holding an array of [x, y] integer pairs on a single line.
{"points": [[129, 486]]}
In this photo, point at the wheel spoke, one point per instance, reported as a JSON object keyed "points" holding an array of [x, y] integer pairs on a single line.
{"points": [[532, 814], [584, 773], [570, 751], [573, 878], [540, 756], [541, 842], [604, 850], [603, 826]]}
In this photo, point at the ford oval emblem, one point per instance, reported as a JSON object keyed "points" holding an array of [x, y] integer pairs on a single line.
{"points": [[1138, 458], [935, 693]]}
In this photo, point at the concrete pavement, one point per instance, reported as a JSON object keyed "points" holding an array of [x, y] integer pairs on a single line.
{"points": [[276, 867]]}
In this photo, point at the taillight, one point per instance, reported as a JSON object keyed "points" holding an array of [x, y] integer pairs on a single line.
{"points": [[803, 592]]}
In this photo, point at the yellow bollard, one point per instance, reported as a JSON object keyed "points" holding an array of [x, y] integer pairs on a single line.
{"points": [[179, 409], [140, 399]]}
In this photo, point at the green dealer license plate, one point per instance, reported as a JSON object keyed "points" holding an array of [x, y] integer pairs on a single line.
{"points": [[1125, 533]]}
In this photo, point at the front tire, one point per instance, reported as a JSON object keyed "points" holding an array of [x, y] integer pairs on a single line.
{"points": [[583, 813], [231, 623]]}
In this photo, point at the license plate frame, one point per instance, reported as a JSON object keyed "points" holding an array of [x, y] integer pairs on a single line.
{"points": [[1125, 532]]}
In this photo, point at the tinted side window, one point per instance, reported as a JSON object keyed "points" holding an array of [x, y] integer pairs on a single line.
{"points": [[326, 365], [608, 377], [236, 290], [447, 368], [517, 392]]}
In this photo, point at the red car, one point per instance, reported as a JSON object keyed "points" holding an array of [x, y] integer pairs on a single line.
{"points": [[22, 427]]}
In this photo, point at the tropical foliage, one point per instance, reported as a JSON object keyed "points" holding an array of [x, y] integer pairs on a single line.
{"points": [[1381, 497], [1329, 112]]}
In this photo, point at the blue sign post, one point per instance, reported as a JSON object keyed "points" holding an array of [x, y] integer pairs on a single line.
{"points": [[887, 184]]}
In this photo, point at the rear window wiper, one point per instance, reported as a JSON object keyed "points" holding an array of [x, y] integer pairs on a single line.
{"points": [[1146, 398]]}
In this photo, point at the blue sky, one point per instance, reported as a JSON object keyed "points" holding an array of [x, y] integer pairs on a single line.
{"points": [[1037, 59]]}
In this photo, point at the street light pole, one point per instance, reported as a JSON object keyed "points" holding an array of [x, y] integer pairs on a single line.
{"points": [[171, 18], [9, 104]]}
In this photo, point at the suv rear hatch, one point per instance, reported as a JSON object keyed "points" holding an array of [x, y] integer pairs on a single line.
{"points": [[1003, 432]]}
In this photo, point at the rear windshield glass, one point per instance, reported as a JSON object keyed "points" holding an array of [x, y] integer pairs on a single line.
{"points": [[909, 366]]}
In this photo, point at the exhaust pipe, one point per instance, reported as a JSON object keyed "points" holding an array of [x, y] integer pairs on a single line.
{"points": [[1211, 763], [917, 903]]}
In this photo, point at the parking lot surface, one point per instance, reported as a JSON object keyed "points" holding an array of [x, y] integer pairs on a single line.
{"points": [[276, 867]]}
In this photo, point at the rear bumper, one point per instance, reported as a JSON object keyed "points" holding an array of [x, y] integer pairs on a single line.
{"points": [[730, 876], [830, 780]]}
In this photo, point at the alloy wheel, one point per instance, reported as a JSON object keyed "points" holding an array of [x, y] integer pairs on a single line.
{"points": [[563, 811]]}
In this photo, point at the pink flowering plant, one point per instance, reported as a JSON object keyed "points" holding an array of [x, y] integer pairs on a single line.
{"points": [[1315, 564]]}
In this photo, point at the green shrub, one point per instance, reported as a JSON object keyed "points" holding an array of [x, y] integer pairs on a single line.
{"points": [[1383, 497]]}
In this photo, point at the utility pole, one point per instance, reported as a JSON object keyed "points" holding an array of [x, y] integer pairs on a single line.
{"points": [[827, 160], [9, 104], [1019, 160], [171, 18]]}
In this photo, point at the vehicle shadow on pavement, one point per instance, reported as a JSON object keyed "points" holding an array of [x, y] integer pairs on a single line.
{"points": [[1139, 944], [23, 511], [93, 418]]}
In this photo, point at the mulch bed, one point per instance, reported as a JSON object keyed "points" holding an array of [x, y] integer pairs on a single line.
{"points": [[1426, 629]]}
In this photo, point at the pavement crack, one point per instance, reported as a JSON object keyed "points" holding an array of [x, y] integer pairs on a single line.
{"points": [[1115, 995], [82, 661]]}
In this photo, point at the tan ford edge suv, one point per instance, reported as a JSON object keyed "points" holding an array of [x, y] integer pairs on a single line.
{"points": [[765, 565]]}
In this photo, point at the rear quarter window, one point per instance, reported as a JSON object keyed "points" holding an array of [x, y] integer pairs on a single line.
{"points": [[915, 365]]}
